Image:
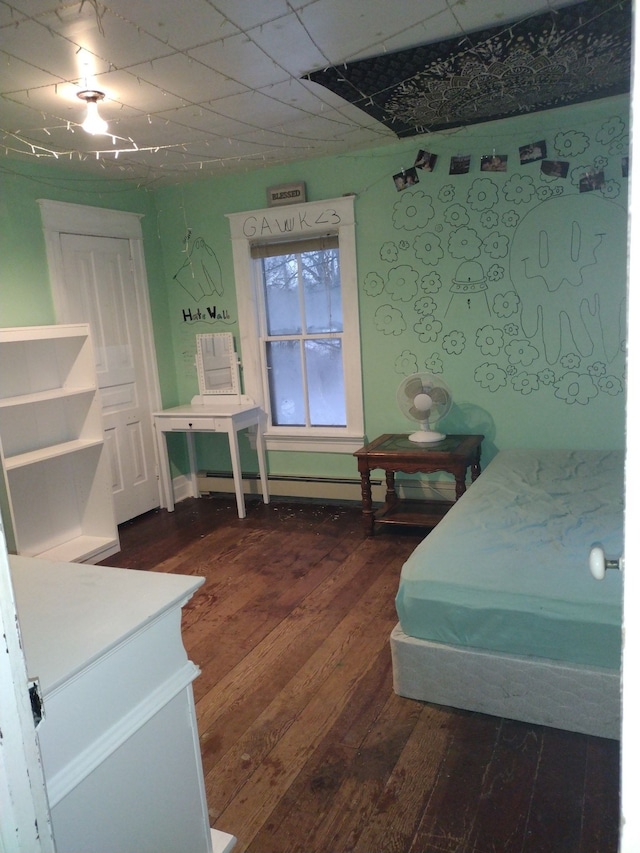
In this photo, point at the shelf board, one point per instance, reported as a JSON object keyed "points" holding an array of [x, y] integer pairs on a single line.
{"points": [[20, 334], [81, 549], [54, 451], [411, 513], [45, 396]]}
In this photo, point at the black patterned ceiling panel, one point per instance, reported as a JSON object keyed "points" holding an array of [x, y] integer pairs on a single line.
{"points": [[578, 53]]}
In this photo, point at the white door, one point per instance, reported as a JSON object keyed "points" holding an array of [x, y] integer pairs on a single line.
{"points": [[100, 290]]}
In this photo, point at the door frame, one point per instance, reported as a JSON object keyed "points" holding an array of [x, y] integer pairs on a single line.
{"points": [[59, 218]]}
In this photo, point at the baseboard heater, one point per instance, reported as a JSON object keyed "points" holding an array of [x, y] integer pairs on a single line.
{"points": [[284, 485], [321, 488]]}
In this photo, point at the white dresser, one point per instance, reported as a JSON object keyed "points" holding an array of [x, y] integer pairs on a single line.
{"points": [[119, 740]]}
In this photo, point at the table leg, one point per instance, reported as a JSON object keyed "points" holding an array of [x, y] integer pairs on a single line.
{"points": [[237, 472], [461, 485], [390, 497], [367, 503], [193, 464], [166, 486], [475, 467], [262, 465]]}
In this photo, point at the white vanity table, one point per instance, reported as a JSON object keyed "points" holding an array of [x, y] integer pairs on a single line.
{"points": [[220, 407], [210, 417]]}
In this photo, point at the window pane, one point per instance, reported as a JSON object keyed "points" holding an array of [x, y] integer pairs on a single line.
{"points": [[323, 301], [285, 383], [281, 295], [325, 382]]}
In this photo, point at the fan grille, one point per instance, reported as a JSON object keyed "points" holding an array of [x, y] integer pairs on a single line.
{"points": [[424, 383]]}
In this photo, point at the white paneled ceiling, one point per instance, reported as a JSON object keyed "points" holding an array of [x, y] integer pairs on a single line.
{"points": [[207, 86]]}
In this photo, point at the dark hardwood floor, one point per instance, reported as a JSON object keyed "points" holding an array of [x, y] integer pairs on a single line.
{"points": [[305, 746]]}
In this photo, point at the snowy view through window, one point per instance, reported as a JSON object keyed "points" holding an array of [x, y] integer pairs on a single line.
{"points": [[303, 338]]}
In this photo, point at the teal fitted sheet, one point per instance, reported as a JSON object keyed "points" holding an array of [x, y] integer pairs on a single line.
{"points": [[507, 568]]}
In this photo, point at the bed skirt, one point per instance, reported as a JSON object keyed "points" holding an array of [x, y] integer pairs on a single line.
{"points": [[535, 690]]}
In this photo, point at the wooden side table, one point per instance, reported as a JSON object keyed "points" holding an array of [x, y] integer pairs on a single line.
{"points": [[395, 452]]}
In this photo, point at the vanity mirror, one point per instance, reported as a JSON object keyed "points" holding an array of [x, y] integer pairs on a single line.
{"points": [[217, 364]]}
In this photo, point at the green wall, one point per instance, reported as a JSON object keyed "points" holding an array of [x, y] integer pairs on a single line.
{"points": [[531, 344], [25, 294], [508, 285]]}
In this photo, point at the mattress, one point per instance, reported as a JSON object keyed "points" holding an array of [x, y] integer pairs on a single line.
{"points": [[506, 570]]}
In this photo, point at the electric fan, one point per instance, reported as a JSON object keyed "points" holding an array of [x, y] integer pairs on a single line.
{"points": [[425, 399]]}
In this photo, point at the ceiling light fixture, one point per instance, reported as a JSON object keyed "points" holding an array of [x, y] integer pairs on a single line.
{"points": [[93, 123]]}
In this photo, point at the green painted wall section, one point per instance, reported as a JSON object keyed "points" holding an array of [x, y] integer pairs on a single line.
{"points": [[509, 285], [25, 294]]}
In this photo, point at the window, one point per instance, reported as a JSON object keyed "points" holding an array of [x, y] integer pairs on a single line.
{"points": [[302, 332], [299, 326]]}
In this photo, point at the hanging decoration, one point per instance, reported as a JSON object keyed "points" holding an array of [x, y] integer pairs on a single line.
{"points": [[406, 178], [533, 151], [493, 163], [460, 164], [425, 161]]}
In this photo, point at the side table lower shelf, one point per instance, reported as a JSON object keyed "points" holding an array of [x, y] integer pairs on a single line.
{"points": [[414, 513]]}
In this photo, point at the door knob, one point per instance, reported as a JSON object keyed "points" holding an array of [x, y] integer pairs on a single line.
{"points": [[599, 564]]}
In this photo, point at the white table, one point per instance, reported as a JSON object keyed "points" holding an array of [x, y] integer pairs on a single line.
{"points": [[217, 416]]}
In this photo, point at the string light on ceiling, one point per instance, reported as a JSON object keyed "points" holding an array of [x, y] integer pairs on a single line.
{"points": [[191, 132]]}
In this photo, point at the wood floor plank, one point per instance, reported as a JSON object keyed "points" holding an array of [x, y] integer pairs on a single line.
{"points": [[384, 798], [272, 663], [240, 628], [260, 794], [310, 801], [557, 803], [310, 700], [450, 813], [600, 813], [507, 787], [306, 748]]}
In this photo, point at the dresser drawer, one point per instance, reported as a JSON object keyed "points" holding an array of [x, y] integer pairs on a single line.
{"points": [[184, 423]]}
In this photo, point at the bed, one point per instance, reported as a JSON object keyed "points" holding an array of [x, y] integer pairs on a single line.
{"points": [[498, 610]]}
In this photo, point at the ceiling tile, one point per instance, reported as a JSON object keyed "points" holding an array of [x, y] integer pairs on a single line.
{"points": [[168, 21], [187, 79], [248, 15], [365, 29], [241, 60], [214, 85]]}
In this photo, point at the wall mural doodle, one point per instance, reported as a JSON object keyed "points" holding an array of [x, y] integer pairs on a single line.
{"points": [[513, 273], [200, 275], [200, 278]]}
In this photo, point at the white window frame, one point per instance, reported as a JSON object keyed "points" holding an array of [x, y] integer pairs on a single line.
{"points": [[291, 222]]}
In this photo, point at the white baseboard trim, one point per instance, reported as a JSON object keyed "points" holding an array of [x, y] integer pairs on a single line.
{"points": [[182, 488]]}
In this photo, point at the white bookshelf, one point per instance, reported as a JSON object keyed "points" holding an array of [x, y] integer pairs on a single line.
{"points": [[55, 494]]}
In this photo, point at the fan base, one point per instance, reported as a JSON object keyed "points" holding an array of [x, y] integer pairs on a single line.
{"points": [[424, 436]]}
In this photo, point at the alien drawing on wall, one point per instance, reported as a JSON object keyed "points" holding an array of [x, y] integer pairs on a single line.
{"points": [[559, 257]]}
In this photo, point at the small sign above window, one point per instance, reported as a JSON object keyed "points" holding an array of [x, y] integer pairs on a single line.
{"points": [[286, 194]]}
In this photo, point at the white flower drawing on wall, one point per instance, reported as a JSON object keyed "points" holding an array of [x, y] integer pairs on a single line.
{"points": [[509, 275]]}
